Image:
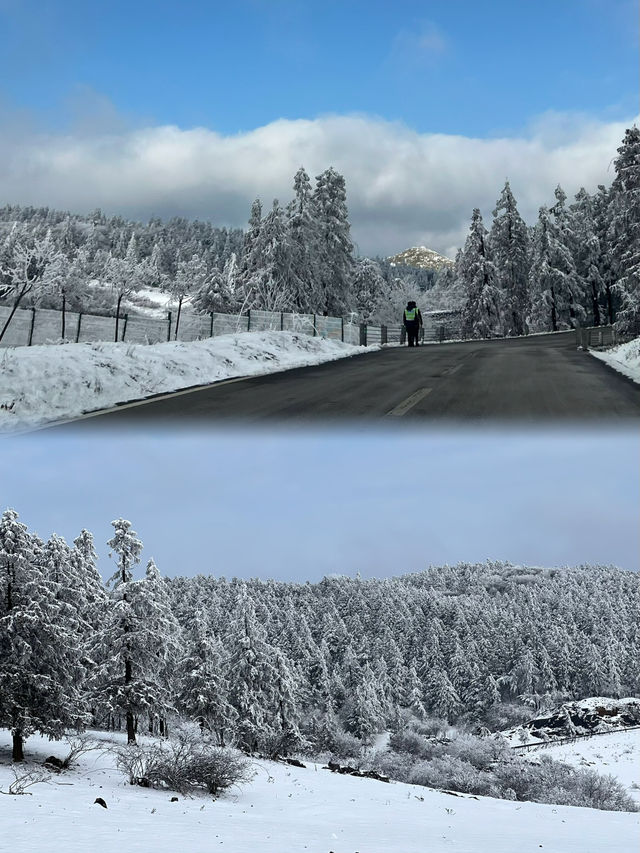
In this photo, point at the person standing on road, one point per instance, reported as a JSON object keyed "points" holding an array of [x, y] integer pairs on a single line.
{"points": [[412, 319]]}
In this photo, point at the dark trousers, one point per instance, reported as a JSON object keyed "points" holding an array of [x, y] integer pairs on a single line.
{"points": [[413, 330]]}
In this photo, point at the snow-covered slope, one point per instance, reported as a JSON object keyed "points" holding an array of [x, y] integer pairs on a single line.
{"points": [[617, 754], [48, 383], [420, 256], [288, 809]]}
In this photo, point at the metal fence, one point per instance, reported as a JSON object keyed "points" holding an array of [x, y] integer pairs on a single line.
{"points": [[529, 747], [33, 326]]}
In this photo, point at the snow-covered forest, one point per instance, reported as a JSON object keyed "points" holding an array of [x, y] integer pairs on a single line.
{"points": [[579, 264], [282, 667]]}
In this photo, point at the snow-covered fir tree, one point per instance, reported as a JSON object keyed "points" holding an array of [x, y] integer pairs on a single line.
{"points": [[509, 246], [335, 262], [481, 312], [624, 230], [41, 675]]}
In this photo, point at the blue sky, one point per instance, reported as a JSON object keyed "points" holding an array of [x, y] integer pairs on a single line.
{"points": [[449, 66], [159, 108], [296, 505]]}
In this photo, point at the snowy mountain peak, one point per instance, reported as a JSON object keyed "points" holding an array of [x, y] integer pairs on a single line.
{"points": [[421, 257]]}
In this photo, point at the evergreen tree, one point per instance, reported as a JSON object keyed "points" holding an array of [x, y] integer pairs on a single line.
{"points": [[335, 249], [303, 239], [509, 245], [367, 288], [624, 229], [481, 310], [552, 271], [203, 688], [40, 672]]}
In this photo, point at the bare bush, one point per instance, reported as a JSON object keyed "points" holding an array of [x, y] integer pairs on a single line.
{"points": [[79, 744], [25, 780], [188, 760]]}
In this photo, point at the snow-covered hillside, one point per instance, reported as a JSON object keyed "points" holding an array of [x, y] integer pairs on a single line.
{"points": [[420, 256], [625, 358], [48, 383], [617, 754], [287, 809]]}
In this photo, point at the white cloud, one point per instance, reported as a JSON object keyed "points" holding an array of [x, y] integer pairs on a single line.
{"points": [[404, 188], [425, 43]]}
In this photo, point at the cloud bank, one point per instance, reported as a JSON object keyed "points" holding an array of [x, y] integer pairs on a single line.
{"points": [[404, 188]]}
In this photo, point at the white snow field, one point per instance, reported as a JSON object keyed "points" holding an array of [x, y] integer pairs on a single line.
{"points": [[42, 384], [287, 810], [616, 753], [625, 358]]}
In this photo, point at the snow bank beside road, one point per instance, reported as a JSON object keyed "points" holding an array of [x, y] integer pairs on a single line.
{"points": [[625, 358], [48, 383]]}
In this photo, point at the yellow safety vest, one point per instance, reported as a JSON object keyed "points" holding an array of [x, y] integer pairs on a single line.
{"points": [[410, 314]]}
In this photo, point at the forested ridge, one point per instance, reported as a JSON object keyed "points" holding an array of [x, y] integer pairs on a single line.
{"points": [[274, 666]]}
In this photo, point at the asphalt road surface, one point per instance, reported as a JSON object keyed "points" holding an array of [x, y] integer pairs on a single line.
{"points": [[540, 378]]}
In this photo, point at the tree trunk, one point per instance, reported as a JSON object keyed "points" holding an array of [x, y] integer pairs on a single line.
{"points": [[18, 744], [131, 729]]}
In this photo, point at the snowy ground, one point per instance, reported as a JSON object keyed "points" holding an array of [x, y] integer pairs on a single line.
{"points": [[41, 384], [617, 754], [625, 358], [288, 809]]}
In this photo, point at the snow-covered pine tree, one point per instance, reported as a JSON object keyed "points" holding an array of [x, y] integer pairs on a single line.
{"points": [[40, 672], [587, 253], [250, 674], [335, 249], [119, 678], [575, 288], [303, 241], [509, 241], [624, 230], [367, 288], [551, 276], [481, 312], [202, 688]]}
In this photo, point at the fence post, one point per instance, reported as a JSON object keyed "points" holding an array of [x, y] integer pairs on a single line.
{"points": [[249, 320], [383, 334], [314, 326], [33, 322], [124, 327], [441, 332], [363, 334], [211, 326], [78, 327], [168, 325], [342, 329], [282, 321]]}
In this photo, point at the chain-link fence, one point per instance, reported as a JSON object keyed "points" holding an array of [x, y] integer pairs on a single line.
{"points": [[29, 327]]}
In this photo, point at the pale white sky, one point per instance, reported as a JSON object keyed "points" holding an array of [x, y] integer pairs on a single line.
{"points": [[296, 505]]}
